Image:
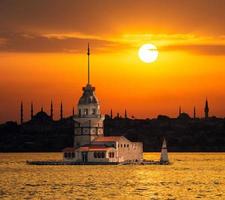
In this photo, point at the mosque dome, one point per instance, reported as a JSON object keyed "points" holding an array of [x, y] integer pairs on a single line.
{"points": [[41, 116], [184, 116], [88, 96]]}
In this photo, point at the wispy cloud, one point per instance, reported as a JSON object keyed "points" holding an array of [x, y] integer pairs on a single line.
{"points": [[47, 43], [201, 49]]}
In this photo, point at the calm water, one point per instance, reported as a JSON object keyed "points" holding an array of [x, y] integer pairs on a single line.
{"points": [[191, 176]]}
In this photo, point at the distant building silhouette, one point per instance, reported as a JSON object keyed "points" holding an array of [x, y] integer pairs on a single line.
{"points": [[21, 113], [61, 111], [51, 110], [206, 109], [179, 111], [31, 110]]}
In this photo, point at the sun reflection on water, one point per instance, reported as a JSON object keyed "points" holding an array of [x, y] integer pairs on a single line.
{"points": [[191, 176]]}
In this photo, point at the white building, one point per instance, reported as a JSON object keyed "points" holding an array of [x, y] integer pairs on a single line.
{"points": [[90, 144]]}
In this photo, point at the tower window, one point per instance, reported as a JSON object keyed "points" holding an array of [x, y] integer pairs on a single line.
{"points": [[86, 111], [93, 111]]}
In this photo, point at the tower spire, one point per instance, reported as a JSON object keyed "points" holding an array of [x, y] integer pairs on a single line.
{"points": [[88, 53]]}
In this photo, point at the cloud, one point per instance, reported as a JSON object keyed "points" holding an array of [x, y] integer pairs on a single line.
{"points": [[27, 42], [111, 16], [200, 49]]}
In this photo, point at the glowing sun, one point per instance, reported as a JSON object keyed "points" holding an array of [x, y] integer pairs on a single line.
{"points": [[148, 53]]}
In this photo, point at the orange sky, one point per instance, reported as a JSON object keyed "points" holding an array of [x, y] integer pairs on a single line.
{"points": [[43, 56]]}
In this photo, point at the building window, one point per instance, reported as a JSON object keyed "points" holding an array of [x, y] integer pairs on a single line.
{"points": [[65, 155], [99, 154], [111, 154], [93, 111], [70, 155], [124, 145], [73, 155], [127, 145], [103, 154], [121, 145]]}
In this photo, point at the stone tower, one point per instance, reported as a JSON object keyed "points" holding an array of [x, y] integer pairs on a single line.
{"points": [[88, 120], [206, 110]]}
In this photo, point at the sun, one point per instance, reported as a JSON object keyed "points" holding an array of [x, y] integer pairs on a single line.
{"points": [[148, 53]]}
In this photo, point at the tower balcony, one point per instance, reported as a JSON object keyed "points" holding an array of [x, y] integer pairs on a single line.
{"points": [[89, 116]]}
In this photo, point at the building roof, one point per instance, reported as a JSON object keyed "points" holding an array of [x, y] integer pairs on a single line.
{"points": [[108, 138], [94, 148], [88, 147], [69, 149]]}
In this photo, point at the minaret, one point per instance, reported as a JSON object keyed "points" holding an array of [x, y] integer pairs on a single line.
{"points": [[88, 120], [125, 114], [61, 111], [179, 110], [21, 113], [42, 109], [73, 112], [194, 113], [51, 110], [111, 114], [164, 154], [206, 109], [31, 110]]}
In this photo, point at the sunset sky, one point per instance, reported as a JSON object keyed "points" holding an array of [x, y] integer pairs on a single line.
{"points": [[43, 46]]}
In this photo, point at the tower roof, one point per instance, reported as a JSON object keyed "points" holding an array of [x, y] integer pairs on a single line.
{"points": [[88, 96]]}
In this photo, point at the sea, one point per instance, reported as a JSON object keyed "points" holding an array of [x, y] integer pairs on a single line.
{"points": [[190, 176]]}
